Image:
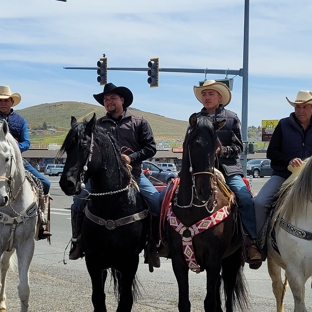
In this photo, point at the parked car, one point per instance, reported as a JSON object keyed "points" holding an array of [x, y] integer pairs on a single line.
{"points": [[54, 169], [167, 166], [157, 174], [259, 168]]}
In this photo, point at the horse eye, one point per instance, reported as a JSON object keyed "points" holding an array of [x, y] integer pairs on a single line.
{"points": [[7, 159]]}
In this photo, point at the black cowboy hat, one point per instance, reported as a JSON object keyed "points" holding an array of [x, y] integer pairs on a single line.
{"points": [[121, 91]]}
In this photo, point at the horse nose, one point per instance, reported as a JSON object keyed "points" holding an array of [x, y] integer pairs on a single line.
{"points": [[68, 187]]}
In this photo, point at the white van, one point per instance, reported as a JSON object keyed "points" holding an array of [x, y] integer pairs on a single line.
{"points": [[54, 169], [167, 166]]}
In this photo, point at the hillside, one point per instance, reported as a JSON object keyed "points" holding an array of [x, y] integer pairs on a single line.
{"points": [[50, 122]]}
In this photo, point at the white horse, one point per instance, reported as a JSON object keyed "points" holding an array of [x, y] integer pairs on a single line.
{"points": [[292, 223], [18, 216]]}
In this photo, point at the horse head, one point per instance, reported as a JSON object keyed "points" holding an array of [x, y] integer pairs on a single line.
{"points": [[92, 153], [199, 152], [10, 159]]}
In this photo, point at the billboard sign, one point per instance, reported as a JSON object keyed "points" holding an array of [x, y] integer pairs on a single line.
{"points": [[268, 127]]}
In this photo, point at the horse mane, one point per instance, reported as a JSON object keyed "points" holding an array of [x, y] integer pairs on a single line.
{"points": [[295, 197]]}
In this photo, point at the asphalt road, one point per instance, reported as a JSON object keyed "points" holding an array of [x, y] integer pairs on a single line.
{"points": [[60, 287]]}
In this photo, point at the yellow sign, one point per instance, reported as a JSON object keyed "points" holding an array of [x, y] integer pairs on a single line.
{"points": [[268, 127]]}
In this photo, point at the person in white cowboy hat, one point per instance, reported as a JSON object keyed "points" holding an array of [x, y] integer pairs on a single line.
{"points": [[136, 140], [19, 130], [215, 96], [290, 144]]}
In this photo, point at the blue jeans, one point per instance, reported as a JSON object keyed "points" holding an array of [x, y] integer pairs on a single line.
{"points": [[149, 192], [45, 182], [147, 189], [265, 198], [244, 202]]}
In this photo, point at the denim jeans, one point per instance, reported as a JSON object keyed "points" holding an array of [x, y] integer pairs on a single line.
{"points": [[45, 182], [149, 192], [265, 198], [245, 203]]}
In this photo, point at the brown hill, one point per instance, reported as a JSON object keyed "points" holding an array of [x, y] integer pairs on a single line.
{"points": [[50, 122]]}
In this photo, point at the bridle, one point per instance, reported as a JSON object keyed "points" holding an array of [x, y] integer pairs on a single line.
{"points": [[9, 181], [85, 169], [194, 192]]}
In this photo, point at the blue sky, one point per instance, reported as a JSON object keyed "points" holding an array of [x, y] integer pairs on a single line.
{"points": [[40, 37]]}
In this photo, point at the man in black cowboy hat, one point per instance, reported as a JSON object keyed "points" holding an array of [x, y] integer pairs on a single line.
{"points": [[136, 140]]}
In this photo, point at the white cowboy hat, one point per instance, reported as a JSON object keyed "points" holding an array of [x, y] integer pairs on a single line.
{"points": [[5, 93], [303, 96], [220, 87]]}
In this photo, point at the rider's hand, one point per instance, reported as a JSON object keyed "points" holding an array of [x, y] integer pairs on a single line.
{"points": [[296, 162], [127, 158]]}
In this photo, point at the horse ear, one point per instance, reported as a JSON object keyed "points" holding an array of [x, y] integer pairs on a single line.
{"points": [[73, 121], [219, 124], [91, 124], [193, 120], [4, 127]]}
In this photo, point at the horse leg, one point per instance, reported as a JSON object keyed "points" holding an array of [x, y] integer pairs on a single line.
{"points": [[180, 270], [297, 284], [24, 256], [277, 284], [98, 277], [5, 264], [213, 288], [126, 279]]}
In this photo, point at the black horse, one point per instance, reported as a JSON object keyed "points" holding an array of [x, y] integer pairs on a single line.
{"points": [[116, 224], [203, 232]]}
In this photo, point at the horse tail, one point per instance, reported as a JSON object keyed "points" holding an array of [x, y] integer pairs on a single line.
{"points": [[116, 276], [234, 282]]}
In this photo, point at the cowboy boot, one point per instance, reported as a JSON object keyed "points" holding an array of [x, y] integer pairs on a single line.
{"points": [[44, 224], [253, 252], [76, 250]]}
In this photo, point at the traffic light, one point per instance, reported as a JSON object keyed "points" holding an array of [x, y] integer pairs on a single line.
{"points": [[227, 81], [102, 71], [153, 65]]}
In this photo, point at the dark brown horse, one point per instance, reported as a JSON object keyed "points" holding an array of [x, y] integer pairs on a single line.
{"points": [[115, 228], [203, 232]]}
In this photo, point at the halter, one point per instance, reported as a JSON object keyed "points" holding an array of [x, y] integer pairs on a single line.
{"points": [[85, 169]]}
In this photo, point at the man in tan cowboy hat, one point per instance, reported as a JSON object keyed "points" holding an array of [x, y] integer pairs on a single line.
{"points": [[290, 144], [19, 130], [136, 140], [215, 96]]}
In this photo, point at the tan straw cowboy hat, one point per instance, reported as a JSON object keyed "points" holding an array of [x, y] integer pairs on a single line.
{"points": [[5, 93], [220, 87], [303, 96]]}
